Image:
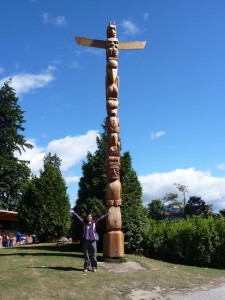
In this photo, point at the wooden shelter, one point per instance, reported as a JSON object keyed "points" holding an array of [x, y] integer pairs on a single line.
{"points": [[8, 221]]}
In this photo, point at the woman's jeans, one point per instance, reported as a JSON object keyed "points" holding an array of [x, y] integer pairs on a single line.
{"points": [[90, 251]]}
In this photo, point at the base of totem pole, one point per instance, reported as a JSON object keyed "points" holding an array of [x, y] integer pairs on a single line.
{"points": [[113, 244]]}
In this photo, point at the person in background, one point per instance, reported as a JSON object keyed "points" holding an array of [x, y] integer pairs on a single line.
{"points": [[5, 239], [27, 239], [11, 241], [90, 238], [18, 238]]}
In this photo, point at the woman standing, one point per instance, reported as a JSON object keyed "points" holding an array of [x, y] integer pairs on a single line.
{"points": [[90, 238]]}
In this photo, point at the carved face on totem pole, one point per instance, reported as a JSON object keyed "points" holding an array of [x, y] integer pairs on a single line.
{"points": [[113, 172]]}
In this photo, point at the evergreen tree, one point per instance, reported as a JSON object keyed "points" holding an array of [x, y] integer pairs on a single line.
{"points": [[13, 172], [156, 209], [44, 209], [196, 206], [92, 185], [92, 189], [134, 215]]}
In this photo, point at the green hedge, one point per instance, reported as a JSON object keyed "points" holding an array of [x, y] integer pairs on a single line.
{"points": [[194, 241]]}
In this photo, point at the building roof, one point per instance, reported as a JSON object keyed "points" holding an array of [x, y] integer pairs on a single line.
{"points": [[8, 215]]}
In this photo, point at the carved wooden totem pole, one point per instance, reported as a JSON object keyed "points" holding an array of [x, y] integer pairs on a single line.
{"points": [[113, 242]]}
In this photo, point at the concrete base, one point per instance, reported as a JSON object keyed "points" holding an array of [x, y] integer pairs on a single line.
{"points": [[113, 244]]}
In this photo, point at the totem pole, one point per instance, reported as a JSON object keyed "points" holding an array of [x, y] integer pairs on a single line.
{"points": [[113, 241]]}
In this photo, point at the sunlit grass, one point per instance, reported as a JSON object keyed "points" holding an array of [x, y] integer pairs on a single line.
{"points": [[55, 271]]}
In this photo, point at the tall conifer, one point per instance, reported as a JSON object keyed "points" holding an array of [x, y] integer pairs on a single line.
{"points": [[13, 172], [45, 207]]}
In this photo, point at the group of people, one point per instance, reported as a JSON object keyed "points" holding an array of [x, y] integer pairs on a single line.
{"points": [[8, 241]]}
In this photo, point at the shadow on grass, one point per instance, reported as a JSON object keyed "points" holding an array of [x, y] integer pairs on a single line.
{"points": [[55, 249], [78, 255], [59, 247], [73, 250], [65, 269]]}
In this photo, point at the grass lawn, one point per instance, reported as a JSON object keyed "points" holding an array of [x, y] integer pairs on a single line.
{"points": [[55, 271]]}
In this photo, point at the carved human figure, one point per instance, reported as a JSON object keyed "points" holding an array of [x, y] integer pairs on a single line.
{"points": [[113, 145], [112, 107], [113, 187], [112, 71], [112, 57], [112, 90], [113, 125], [112, 49]]}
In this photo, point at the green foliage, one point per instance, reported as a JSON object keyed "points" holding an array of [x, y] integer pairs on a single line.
{"points": [[156, 209], [219, 241], [134, 216], [193, 241], [170, 197], [13, 172], [222, 212], [196, 206], [92, 184], [44, 209]]}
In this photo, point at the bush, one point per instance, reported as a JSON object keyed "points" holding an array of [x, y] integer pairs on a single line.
{"points": [[193, 241]]}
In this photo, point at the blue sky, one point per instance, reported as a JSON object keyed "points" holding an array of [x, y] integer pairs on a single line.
{"points": [[171, 93]]}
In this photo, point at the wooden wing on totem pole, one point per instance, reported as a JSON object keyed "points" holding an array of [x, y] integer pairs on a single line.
{"points": [[82, 41]]}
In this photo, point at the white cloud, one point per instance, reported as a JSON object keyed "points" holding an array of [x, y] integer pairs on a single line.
{"points": [[35, 156], [129, 28], [71, 150], [157, 134], [145, 16], [75, 65], [221, 166], [26, 82], [201, 184], [72, 179], [1, 70], [58, 21]]}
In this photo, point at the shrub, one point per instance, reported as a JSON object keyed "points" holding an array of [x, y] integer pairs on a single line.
{"points": [[193, 241]]}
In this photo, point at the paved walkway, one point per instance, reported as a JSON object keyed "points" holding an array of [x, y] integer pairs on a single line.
{"points": [[212, 294]]}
